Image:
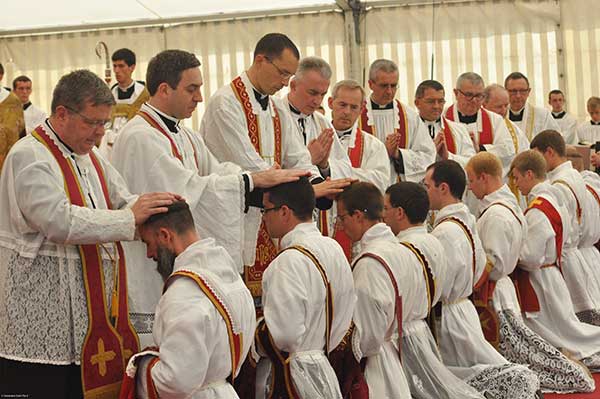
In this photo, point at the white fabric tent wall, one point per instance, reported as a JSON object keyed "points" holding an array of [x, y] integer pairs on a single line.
{"points": [[555, 43]]}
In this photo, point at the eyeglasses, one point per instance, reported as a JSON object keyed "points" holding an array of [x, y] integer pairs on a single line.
{"points": [[282, 73], [471, 96], [93, 123], [518, 91], [265, 210]]}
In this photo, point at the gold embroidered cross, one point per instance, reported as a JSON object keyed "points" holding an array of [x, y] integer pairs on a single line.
{"points": [[102, 357]]}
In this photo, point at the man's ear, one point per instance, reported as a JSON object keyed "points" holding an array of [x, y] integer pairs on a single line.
{"points": [[164, 235]]}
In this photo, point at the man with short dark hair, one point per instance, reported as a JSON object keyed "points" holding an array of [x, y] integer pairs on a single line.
{"points": [[33, 115], [244, 124], [308, 298], [579, 260], [405, 210], [155, 152], [566, 122], [451, 139], [203, 318], [12, 121], [129, 96], [405, 136], [462, 344], [63, 304], [529, 118]]}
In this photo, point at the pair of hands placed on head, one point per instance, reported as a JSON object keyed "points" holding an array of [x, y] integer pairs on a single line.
{"points": [[152, 203]]}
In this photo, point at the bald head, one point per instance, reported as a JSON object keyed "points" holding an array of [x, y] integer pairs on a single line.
{"points": [[496, 99]]}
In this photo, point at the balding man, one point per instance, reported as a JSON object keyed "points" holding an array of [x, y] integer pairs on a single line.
{"points": [[529, 118], [399, 127]]}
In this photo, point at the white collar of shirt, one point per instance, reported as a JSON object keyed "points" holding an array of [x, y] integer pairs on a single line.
{"points": [[538, 189], [411, 230], [126, 88], [559, 169], [379, 231], [503, 194], [350, 138], [300, 230], [458, 210], [296, 116], [394, 111]]}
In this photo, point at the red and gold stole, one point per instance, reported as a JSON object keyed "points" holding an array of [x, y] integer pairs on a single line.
{"points": [[397, 295], [266, 250], [486, 135], [152, 122], [363, 124], [282, 385], [525, 292], [356, 155], [107, 346], [449, 137]]}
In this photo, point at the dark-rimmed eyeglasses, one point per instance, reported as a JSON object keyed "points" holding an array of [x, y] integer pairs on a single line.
{"points": [[471, 96], [265, 210], [93, 123]]}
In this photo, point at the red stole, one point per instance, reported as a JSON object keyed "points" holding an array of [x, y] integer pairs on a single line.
{"points": [[486, 135], [108, 345], [266, 250], [363, 124], [152, 122], [356, 155], [449, 137], [525, 292]]}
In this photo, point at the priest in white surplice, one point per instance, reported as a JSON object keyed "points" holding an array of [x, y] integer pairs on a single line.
{"points": [[245, 125], [487, 129], [34, 116], [529, 118], [390, 289], [129, 95], [451, 139], [64, 208], [203, 319], [502, 228], [405, 210], [154, 152], [588, 132], [308, 297], [566, 122], [395, 124], [580, 264], [308, 87], [550, 313], [462, 344]]}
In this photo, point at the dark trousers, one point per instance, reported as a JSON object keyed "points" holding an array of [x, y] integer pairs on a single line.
{"points": [[33, 380]]}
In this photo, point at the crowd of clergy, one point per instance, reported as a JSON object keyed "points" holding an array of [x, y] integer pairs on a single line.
{"points": [[441, 251]]}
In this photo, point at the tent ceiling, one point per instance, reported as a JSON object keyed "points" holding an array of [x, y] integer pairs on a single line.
{"points": [[51, 16]]}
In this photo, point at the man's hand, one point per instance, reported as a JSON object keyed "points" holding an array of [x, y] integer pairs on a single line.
{"points": [[152, 203], [440, 145], [475, 146], [276, 175], [330, 188], [391, 144], [320, 148]]}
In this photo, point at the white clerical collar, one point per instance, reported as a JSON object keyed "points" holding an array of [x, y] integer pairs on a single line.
{"points": [[519, 112], [296, 113], [412, 230], [560, 168], [129, 86]]}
